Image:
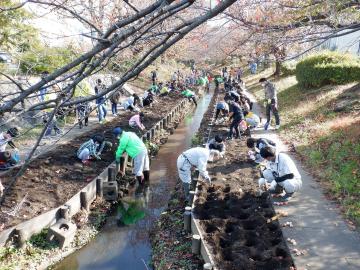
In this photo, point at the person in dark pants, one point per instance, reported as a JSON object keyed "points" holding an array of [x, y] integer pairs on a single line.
{"points": [[154, 76], [236, 116], [115, 98], [271, 104], [83, 110]]}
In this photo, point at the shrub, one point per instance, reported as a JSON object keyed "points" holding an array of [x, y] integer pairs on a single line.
{"points": [[328, 68], [41, 59]]}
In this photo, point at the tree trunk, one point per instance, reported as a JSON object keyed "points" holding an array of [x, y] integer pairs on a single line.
{"points": [[277, 68]]}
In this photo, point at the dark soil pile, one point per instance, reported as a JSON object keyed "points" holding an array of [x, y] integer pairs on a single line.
{"points": [[57, 175], [234, 220]]}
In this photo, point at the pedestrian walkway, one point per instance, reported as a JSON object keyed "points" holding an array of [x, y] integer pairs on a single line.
{"points": [[323, 239]]}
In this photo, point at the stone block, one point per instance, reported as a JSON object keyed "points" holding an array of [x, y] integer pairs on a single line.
{"points": [[63, 231], [110, 191]]}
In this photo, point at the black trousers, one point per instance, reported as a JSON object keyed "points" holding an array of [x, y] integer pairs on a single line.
{"points": [[234, 126], [272, 108]]}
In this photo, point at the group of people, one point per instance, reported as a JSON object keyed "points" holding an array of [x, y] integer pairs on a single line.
{"points": [[128, 142], [280, 176], [236, 109]]}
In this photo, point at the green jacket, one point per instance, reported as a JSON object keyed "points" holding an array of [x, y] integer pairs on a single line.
{"points": [[187, 93], [202, 81], [131, 144]]}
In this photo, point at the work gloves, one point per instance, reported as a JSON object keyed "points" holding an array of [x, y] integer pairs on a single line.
{"points": [[284, 177]]}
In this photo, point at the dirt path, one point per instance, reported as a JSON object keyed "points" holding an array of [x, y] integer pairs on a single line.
{"points": [[57, 175]]}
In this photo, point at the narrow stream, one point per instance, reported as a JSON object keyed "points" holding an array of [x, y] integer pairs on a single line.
{"points": [[128, 247]]}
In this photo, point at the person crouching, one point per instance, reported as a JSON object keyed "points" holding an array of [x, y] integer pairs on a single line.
{"points": [[92, 149], [281, 171]]}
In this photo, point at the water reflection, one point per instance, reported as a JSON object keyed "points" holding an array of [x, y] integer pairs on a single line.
{"points": [[125, 245]]}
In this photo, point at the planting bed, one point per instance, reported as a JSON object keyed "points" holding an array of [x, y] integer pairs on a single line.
{"points": [[237, 229], [57, 175], [235, 221]]}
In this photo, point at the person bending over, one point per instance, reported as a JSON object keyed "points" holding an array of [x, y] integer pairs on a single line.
{"points": [[190, 95], [256, 145], [251, 119], [236, 116], [222, 107], [197, 157], [130, 143], [136, 121], [217, 143]]}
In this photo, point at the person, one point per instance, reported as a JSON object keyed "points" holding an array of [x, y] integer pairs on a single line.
{"points": [[136, 121], [281, 171], [253, 67], [155, 89], [239, 73], [129, 104], [174, 77], [92, 148], [43, 90], [83, 109], [164, 90], [217, 143], [147, 98], [115, 98], [53, 125], [8, 159], [137, 100], [270, 103], [100, 101], [236, 116], [190, 95], [232, 95], [251, 119], [154, 76], [130, 143], [7, 138], [225, 73], [222, 107], [195, 157], [256, 145]]}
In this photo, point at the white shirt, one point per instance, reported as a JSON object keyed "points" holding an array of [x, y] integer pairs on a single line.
{"points": [[3, 142], [284, 165], [128, 102], [198, 157]]}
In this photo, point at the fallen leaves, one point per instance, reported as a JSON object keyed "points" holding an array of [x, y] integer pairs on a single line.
{"points": [[291, 241], [299, 252], [288, 224]]}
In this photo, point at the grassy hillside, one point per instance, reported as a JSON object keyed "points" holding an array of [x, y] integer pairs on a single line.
{"points": [[323, 124]]}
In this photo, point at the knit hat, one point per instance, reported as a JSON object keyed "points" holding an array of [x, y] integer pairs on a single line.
{"points": [[117, 131]]}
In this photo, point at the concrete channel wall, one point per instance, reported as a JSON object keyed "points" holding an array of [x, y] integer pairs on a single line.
{"points": [[86, 195], [199, 245]]}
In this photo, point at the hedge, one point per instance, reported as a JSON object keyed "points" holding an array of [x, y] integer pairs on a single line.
{"points": [[328, 68]]}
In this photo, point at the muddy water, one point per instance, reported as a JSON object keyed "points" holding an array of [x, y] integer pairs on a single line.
{"points": [[128, 247]]}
